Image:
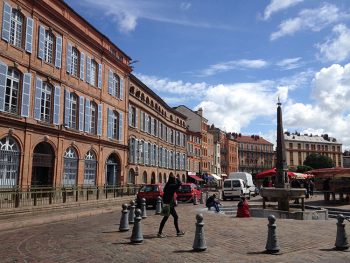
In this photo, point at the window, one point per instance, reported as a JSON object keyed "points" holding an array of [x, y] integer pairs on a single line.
{"points": [[74, 66], [90, 168], [149, 124], [116, 85], [12, 91], [72, 111], [114, 124], [132, 150], [93, 121], [9, 162], [93, 73], [70, 169], [16, 28], [46, 103], [132, 116], [49, 44]]}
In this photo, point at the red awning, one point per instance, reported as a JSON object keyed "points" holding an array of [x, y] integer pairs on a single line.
{"points": [[272, 172], [195, 177]]}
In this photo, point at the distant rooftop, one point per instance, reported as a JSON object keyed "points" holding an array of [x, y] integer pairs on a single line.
{"points": [[324, 138], [250, 139]]}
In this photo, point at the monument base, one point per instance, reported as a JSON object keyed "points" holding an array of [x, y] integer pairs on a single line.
{"points": [[308, 214]]}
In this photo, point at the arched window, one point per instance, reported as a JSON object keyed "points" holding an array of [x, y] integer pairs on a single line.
{"points": [[16, 28], [9, 162], [49, 47], [46, 103], [131, 177], [70, 170], [90, 168], [12, 91], [160, 179], [144, 177]]}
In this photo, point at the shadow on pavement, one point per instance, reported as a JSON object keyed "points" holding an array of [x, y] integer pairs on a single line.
{"points": [[187, 251]]}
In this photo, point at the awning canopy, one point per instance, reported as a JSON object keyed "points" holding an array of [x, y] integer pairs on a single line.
{"points": [[195, 177], [223, 175], [292, 175], [216, 177]]}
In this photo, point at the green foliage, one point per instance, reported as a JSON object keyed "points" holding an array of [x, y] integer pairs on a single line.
{"points": [[318, 161], [303, 168]]}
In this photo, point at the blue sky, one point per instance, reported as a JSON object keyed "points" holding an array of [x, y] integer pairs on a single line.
{"points": [[235, 58]]}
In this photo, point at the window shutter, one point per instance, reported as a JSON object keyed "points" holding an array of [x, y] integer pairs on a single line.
{"points": [[37, 104], [121, 94], [146, 122], [109, 127], [88, 69], [6, 22], [99, 122], [142, 117], [82, 64], [69, 57], [135, 151], [110, 83], [152, 126], [130, 115], [99, 82], [87, 115], [57, 106], [67, 107], [136, 118], [120, 136], [156, 157], [3, 78], [146, 152], [41, 42], [27, 78], [29, 34], [81, 113], [58, 57]]}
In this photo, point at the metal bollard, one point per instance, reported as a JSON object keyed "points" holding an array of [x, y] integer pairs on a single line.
{"points": [[132, 212], [124, 220], [195, 201], [199, 243], [341, 242], [137, 236], [143, 208], [206, 196], [201, 201], [271, 244], [159, 205]]}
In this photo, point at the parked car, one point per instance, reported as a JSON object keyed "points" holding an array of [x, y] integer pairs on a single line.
{"points": [[187, 191], [150, 192]]}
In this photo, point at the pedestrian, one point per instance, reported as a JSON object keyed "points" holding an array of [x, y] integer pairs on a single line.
{"points": [[312, 186], [307, 188], [212, 201], [243, 208], [169, 205]]}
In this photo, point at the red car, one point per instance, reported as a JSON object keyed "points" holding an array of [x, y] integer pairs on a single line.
{"points": [[150, 192], [187, 191]]}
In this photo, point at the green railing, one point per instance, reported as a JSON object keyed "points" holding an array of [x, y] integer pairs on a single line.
{"points": [[16, 197]]}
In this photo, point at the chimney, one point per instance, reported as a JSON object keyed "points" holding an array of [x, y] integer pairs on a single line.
{"points": [[200, 112]]}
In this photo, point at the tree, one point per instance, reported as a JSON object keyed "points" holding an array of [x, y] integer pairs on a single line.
{"points": [[318, 161]]}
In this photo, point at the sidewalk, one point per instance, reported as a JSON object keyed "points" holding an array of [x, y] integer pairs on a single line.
{"points": [[96, 239]]}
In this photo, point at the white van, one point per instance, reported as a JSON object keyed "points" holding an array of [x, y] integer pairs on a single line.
{"points": [[247, 177], [234, 188]]}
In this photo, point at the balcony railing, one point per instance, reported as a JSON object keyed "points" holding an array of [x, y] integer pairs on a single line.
{"points": [[41, 196]]}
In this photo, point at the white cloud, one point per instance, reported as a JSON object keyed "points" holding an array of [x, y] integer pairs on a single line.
{"points": [[278, 5], [185, 5], [290, 63], [310, 19], [338, 48], [233, 64]]}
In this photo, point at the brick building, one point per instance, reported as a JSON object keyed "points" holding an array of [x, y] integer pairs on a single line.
{"points": [[193, 152], [63, 99], [157, 137]]}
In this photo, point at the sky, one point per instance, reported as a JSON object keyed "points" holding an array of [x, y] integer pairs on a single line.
{"points": [[236, 58]]}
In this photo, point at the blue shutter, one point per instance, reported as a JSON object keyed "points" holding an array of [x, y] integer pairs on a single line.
{"points": [[88, 69], [110, 83], [120, 136], [130, 115], [121, 94], [3, 78], [82, 64], [6, 22], [87, 115], [152, 126], [69, 58], [37, 104], [57, 106], [136, 151], [58, 57], [81, 113], [156, 157], [29, 34], [99, 81], [145, 153], [27, 78], [110, 120], [67, 107], [99, 119], [41, 42]]}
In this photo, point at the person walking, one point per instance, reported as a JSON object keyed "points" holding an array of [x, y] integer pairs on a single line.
{"points": [[169, 205]]}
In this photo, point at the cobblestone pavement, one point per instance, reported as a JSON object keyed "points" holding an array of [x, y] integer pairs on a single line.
{"points": [[96, 238]]}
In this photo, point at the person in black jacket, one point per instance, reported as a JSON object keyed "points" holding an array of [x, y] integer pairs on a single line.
{"points": [[169, 204]]}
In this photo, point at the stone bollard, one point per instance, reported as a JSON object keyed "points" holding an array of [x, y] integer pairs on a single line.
{"points": [[272, 244], [341, 242], [195, 201], [143, 208], [201, 201], [124, 220], [136, 236], [206, 196], [159, 205], [199, 243], [132, 212]]}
